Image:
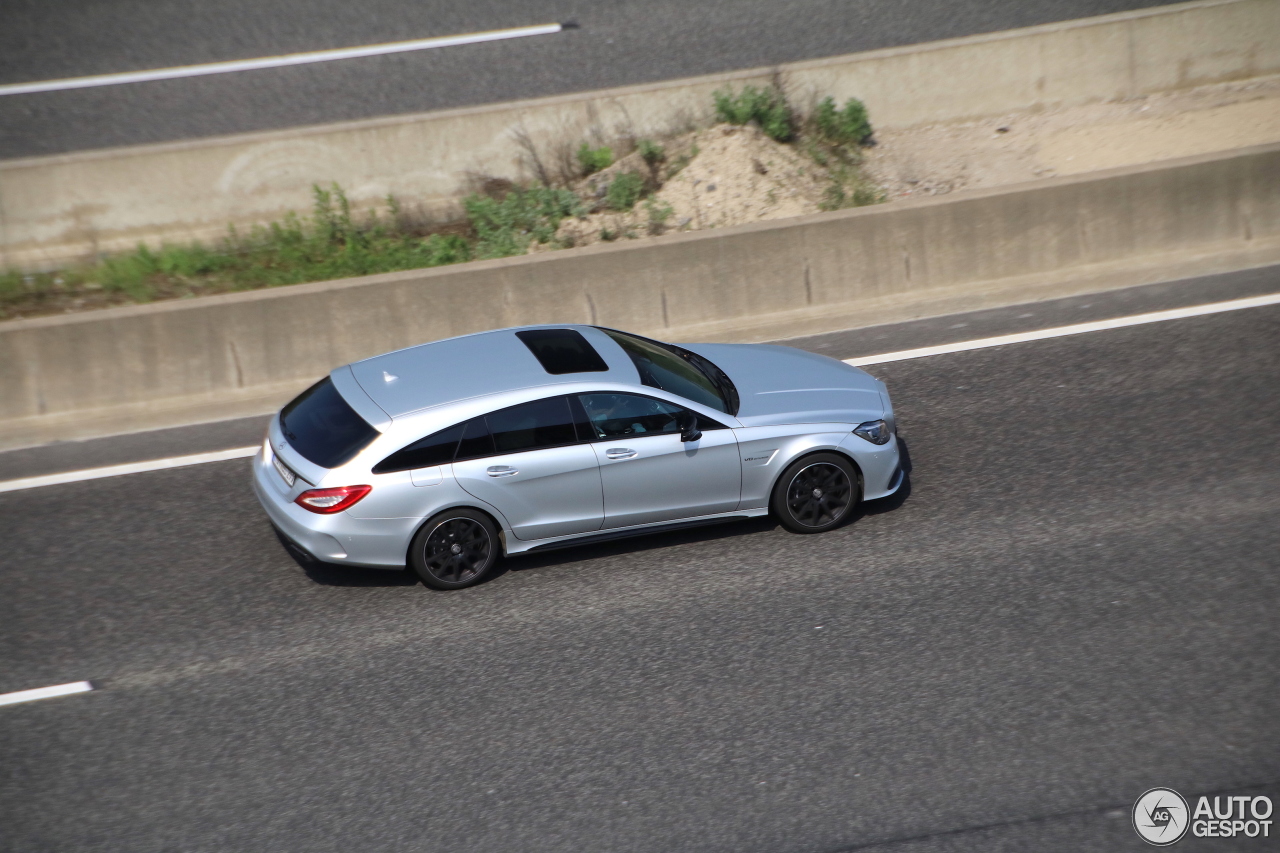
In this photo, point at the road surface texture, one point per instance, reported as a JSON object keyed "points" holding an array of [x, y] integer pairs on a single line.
{"points": [[619, 43], [1074, 601]]}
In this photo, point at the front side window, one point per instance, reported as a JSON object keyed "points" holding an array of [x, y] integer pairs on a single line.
{"points": [[678, 371], [321, 426], [616, 415]]}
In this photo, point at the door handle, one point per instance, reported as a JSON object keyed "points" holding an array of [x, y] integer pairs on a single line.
{"points": [[500, 471], [619, 453]]}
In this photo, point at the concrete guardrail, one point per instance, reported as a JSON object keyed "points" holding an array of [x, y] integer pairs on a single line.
{"points": [[240, 353]]}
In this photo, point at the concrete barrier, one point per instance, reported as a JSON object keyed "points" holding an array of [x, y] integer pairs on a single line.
{"points": [[54, 209], [251, 350]]}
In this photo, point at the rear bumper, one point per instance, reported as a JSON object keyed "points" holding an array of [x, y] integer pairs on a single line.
{"points": [[338, 538], [313, 544]]}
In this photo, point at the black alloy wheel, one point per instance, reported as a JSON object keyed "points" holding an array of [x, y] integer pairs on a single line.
{"points": [[816, 493], [457, 548]]}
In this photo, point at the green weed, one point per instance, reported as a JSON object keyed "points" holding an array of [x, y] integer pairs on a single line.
{"points": [[658, 214], [848, 125], [767, 107], [861, 194], [593, 160], [624, 191], [651, 152]]}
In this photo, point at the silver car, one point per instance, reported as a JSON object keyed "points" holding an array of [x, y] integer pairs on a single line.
{"points": [[448, 455]]}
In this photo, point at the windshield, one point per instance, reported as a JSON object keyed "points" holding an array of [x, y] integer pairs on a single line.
{"points": [[323, 428], [679, 371]]}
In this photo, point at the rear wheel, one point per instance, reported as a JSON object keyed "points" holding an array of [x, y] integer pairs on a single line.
{"points": [[455, 549], [816, 493]]}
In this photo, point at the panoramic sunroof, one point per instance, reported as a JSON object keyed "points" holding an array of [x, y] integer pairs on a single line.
{"points": [[562, 351]]}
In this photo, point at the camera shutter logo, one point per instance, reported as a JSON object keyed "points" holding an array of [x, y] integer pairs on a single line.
{"points": [[1161, 817]]}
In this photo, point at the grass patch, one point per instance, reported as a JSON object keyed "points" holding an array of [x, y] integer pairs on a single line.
{"points": [[331, 243], [506, 227]]}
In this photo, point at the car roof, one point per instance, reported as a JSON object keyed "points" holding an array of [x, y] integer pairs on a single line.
{"points": [[441, 372]]}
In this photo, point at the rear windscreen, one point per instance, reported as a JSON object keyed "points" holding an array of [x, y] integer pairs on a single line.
{"points": [[323, 428]]}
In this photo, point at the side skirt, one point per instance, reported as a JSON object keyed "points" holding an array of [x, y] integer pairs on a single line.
{"points": [[628, 532]]}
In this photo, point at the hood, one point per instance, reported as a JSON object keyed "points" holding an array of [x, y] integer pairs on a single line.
{"points": [[781, 385]]}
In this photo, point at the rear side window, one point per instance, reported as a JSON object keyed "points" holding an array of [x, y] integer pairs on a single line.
{"points": [[435, 449], [321, 426], [542, 423], [476, 440], [554, 422], [561, 351]]}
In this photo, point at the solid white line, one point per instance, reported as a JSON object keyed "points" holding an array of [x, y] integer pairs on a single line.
{"points": [[45, 693], [274, 61], [131, 468], [981, 343], [1076, 329]]}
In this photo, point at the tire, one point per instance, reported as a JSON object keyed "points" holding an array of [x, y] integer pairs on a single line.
{"points": [[454, 549], [816, 493]]}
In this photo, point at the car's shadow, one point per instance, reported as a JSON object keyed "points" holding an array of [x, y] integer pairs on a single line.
{"points": [[329, 574], [333, 575], [692, 535]]}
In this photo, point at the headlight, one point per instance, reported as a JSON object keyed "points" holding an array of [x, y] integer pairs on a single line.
{"points": [[876, 432]]}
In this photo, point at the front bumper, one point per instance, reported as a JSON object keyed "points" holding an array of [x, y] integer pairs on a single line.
{"points": [[881, 466]]}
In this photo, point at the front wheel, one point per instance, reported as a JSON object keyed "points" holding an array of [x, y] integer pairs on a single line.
{"points": [[455, 549], [816, 493]]}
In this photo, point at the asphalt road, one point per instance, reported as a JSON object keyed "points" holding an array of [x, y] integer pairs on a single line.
{"points": [[1075, 601], [619, 43]]}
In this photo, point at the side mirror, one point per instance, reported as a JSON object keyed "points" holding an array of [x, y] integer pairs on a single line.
{"points": [[688, 422]]}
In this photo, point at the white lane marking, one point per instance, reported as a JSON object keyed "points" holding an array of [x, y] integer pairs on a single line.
{"points": [[1076, 329], [274, 61], [981, 343], [45, 692], [130, 468]]}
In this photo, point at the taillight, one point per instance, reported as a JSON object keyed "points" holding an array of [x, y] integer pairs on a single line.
{"points": [[327, 501]]}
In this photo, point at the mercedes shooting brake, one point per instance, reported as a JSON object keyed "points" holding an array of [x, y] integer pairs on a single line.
{"points": [[446, 456]]}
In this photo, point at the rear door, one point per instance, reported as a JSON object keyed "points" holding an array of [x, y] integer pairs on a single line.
{"points": [[649, 474], [527, 462]]}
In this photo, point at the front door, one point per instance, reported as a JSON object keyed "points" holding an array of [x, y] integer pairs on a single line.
{"points": [[648, 473], [526, 461]]}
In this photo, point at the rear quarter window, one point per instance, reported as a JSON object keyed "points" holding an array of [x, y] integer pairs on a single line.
{"points": [[436, 449], [323, 428]]}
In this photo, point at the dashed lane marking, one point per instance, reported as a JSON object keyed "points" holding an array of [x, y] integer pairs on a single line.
{"points": [[45, 692], [130, 468]]}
